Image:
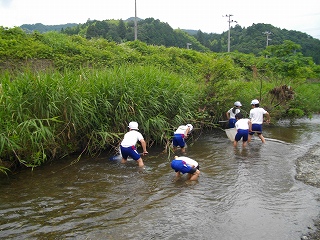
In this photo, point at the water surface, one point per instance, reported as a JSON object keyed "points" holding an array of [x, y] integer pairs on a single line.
{"points": [[244, 194]]}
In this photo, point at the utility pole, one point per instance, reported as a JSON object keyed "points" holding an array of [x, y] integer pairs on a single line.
{"points": [[229, 21], [268, 34], [188, 45], [135, 21]]}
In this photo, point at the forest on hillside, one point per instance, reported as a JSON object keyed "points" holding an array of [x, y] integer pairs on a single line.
{"points": [[251, 40]]}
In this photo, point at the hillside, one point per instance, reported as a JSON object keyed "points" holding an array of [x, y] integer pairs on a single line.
{"points": [[151, 31], [46, 28]]}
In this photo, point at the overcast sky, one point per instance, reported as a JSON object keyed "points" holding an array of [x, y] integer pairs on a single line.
{"points": [[204, 15]]}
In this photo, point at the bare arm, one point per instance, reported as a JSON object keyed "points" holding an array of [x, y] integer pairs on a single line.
{"points": [[144, 146], [187, 132], [268, 117]]}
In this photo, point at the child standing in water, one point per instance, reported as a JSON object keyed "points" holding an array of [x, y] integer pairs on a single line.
{"points": [[185, 165], [231, 113], [256, 116], [180, 135], [243, 126], [128, 144]]}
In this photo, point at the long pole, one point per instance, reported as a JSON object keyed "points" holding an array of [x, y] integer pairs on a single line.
{"points": [[135, 21], [268, 39], [229, 35], [229, 21]]}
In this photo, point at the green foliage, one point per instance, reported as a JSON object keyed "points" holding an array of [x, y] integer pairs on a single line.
{"points": [[47, 28], [295, 113], [49, 115], [251, 40], [288, 48], [288, 62], [307, 98], [64, 94]]}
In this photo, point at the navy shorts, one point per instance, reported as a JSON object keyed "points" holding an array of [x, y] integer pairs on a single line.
{"points": [[178, 140], [232, 122], [242, 134], [181, 166], [129, 152], [257, 128]]}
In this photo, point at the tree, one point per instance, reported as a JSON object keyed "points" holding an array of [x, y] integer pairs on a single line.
{"points": [[122, 29], [287, 48]]}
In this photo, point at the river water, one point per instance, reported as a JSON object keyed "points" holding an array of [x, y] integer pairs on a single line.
{"points": [[244, 194]]}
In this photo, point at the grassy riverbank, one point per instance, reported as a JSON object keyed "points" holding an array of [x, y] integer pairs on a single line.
{"points": [[48, 115], [66, 94]]}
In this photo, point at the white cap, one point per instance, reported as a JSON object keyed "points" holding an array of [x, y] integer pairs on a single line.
{"points": [[254, 102], [190, 126], [238, 104], [133, 126]]}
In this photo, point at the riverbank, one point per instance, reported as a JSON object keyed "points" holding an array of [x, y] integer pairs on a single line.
{"points": [[308, 171]]}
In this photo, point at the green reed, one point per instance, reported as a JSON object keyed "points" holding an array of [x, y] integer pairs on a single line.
{"points": [[48, 115]]}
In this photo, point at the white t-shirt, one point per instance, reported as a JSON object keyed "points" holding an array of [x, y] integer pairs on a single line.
{"points": [[242, 124], [131, 138], [233, 115], [189, 161], [181, 129], [256, 115]]}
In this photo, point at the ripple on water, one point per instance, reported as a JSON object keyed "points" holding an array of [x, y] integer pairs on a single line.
{"points": [[241, 194]]}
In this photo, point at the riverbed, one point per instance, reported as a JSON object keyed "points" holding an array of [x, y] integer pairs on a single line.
{"points": [[260, 192]]}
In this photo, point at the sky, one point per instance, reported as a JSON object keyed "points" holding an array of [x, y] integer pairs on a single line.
{"points": [[209, 16]]}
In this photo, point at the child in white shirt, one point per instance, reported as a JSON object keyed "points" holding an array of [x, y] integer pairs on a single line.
{"points": [[243, 126]]}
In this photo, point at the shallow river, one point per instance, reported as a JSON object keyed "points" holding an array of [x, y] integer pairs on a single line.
{"points": [[244, 194]]}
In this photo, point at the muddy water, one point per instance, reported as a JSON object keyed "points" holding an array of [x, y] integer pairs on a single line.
{"points": [[244, 194]]}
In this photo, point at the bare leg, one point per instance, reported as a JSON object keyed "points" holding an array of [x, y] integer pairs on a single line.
{"points": [[183, 149], [249, 138], [194, 176], [123, 160], [244, 143], [188, 176], [140, 162], [262, 138], [235, 143]]}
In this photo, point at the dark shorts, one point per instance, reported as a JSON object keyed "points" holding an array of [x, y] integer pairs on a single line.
{"points": [[180, 166], [129, 152], [256, 128], [232, 122], [178, 140], [192, 170], [242, 134]]}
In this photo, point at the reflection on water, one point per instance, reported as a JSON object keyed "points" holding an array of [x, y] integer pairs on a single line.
{"points": [[246, 194]]}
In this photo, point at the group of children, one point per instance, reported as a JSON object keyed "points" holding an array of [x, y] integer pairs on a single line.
{"points": [[182, 164], [247, 127], [179, 164]]}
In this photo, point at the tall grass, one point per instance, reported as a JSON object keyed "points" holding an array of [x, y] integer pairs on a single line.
{"points": [[49, 115], [306, 99]]}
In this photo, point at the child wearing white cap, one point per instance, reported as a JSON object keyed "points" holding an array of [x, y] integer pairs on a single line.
{"points": [[127, 146], [231, 113], [256, 116], [180, 135]]}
